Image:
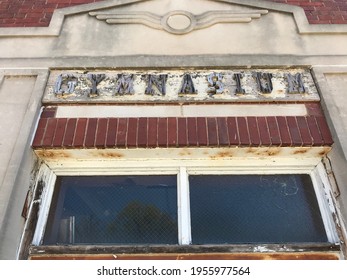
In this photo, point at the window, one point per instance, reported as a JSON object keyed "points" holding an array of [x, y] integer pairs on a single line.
{"points": [[186, 207], [113, 210], [254, 209]]}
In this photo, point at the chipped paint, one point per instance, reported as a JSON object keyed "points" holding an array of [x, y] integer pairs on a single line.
{"points": [[194, 252], [262, 249], [264, 158], [107, 87], [206, 256]]}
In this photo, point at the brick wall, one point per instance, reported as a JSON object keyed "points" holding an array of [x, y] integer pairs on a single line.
{"points": [[89, 133], [30, 13]]}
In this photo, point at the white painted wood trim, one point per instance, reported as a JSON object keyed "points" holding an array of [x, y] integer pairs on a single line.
{"points": [[46, 197], [184, 226], [322, 189], [183, 169]]}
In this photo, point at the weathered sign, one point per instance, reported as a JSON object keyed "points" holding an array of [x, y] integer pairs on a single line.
{"points": [[173, 85]]}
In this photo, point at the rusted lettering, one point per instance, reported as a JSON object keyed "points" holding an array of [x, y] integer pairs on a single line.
{"points": [[158, 81], [124, 84], [239, 89], [215, 84], [187, 85], [264, 82], [95, 79], [295, 83], [65, 84]]}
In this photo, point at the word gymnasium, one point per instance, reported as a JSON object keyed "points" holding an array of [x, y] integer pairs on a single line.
{"points": [[293, 84]]}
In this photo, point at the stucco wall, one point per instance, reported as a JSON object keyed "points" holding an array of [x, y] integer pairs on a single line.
{"points": [[20, 92]]}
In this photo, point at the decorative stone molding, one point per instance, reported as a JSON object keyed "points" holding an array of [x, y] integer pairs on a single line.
{"points": [[178, 22], [60, 15]]}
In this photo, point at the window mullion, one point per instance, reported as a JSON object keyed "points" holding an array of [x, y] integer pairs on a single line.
{"points": [[184, 229]]}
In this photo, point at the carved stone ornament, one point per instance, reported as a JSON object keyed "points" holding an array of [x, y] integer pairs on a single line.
{"points": [[178, 22]]}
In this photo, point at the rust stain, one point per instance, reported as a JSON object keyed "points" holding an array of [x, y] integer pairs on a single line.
{"points": [[207, 256], [185, 152], [251, 150], [272, 151], [225, 154], [325, 151], [109, 154], [53, 154], [301, 151]]}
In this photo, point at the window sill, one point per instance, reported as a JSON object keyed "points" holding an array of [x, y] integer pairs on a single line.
{"points": [[309, 251]]}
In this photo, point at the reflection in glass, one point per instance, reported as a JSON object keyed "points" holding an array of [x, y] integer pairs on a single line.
{"points": [[113, 210], [254, 209]]}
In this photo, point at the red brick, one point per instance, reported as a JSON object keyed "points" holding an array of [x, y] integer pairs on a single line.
{"points": [[223, 137], [59, 1], [182, 137], [212, 132], [284, 132], [172, 132], [59, 133], [48, 112], [304, 131], [69, 133], [152, 132], [80, 133], [34, 15], [253, 131], [101, 133], [132, 132], [142, 132], [243, 131], [275, 136], [314, 131], [162, 132], [49, 133], [79, 1], [121, 132], [324, 130], [263, 131], [63, 5], [89, 141], [313, 109], [40, 131], [233, 132], [111, 133], [201, 126], [294, 131], [192, 132]]}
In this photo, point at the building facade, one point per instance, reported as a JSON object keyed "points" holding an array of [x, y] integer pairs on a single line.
{"points": [[163, 129]]}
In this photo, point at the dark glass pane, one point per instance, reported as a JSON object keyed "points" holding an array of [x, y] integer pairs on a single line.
{"points": [[254, 209], [114, 210]]}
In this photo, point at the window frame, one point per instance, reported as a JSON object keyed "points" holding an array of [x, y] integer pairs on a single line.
{"points": [[182, 170]]}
